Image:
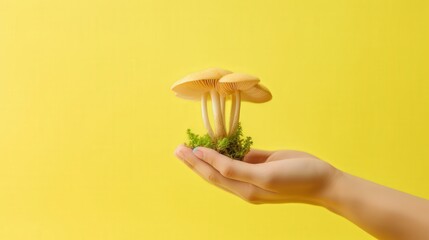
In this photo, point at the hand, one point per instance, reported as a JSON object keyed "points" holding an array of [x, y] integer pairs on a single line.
{"points": [[264, 176], [293, 176]]}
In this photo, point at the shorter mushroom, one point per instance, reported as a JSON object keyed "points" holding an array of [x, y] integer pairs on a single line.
{"points": [[234, 84]]}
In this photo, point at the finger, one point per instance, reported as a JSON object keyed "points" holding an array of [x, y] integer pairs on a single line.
{"points": [[207, 172], [228, 167], [202, 169], [256, 156], [246, 191]]}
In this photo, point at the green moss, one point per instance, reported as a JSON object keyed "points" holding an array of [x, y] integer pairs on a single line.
{"points": [[235, 146]]}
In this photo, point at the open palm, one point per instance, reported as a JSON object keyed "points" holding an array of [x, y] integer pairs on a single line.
{"points": [[263, 176]]}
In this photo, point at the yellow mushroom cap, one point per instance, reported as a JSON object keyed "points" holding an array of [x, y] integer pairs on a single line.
{"points": [[236, 81], [195, 84], [256, 94], [189, 97]]}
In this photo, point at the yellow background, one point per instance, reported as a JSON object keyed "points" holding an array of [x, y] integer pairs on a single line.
{"points": [[88, 124]]}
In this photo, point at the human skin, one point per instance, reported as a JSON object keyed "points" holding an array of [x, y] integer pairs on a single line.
{"points": [[292, 176]]}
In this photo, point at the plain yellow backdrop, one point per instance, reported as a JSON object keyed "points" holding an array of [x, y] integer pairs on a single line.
{"points": [[88, 123]]}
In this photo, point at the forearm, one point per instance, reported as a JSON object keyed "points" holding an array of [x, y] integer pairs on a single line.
{"points": [[383, 212]]}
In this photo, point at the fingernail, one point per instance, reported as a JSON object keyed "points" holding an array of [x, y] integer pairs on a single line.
{"points": [[198, 153]]}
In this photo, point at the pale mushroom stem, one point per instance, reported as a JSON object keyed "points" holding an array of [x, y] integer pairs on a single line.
{"points": [[219, 127], [222, 109], [235, 112], [205, 115], [231, 115]]}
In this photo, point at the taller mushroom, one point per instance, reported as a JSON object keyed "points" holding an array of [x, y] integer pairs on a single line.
{"points": [[203, 85]]}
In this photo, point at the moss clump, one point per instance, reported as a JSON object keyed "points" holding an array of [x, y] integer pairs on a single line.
{"points": [[234, 146]]}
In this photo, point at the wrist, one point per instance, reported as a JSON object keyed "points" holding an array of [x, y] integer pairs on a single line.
{"points": [[328, 193], [331, 196]]}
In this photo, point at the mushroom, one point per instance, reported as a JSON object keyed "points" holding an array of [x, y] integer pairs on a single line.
{"points": [[256, 94], [239, 85], [201, 85]]}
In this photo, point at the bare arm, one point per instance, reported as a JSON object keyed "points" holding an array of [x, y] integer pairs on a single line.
{"points": [[381, 211], [293, 176]]}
